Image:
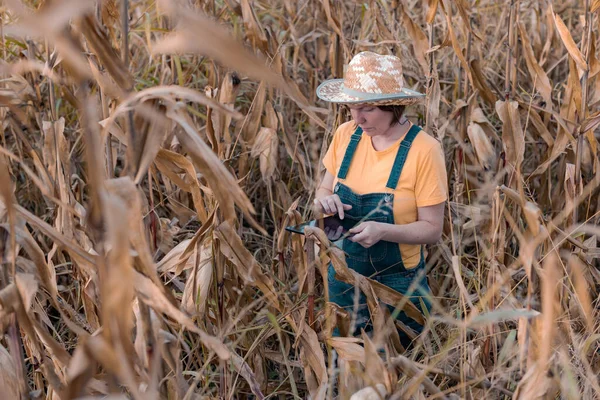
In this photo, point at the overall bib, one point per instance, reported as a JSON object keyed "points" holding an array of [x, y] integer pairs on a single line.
{"points": [[382, 261]]}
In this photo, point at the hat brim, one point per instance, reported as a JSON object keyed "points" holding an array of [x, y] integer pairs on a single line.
{"points": [[332, 91]]}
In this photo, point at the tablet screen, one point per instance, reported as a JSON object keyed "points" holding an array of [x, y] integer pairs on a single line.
{"points": [[334, 227]]}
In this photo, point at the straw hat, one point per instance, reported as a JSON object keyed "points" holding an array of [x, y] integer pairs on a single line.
{"points": [[370, 78]]}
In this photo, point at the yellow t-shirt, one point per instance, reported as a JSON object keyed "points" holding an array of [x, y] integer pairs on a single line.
{"points": [[422, 182]]}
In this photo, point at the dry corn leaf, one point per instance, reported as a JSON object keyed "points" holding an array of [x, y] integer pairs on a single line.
{"points": [[486, 154], [108, 86], [533, 216], [595, 6], [195, 293], [560, 144], [313, 362], [538, 75], [230, 87], [216, 43], [348, 348], [549, 36], [551, 279], [150, 134], [513, 137], [147, 331], [248, 268], [8, 244], [224, 186], [332, 20], [85, 259], [375, 370], [460, 106], [27, 286], [111, 359], [116, 280], [540, 127], [9, 384], [46, 274], [168, 94], [126, 191], [376, 392], [464, 11], [73, 60], [432, 6], [420, 44], [459, 280], [582, 290], [265, 147], [253, 27], [153, 296], [59, 166], [210, 127], [454, 40], [480, 82], [53, 132], [408, 367], [51, 19], [593, 60], [572, 106], [536, 385], [167, 163], [433, 105], [174, 258], [296, 94], [253, 119], [568, 41], [270, 119], [571, 191], [590, 123], [244, 370], [100, 45], [293, 149]]}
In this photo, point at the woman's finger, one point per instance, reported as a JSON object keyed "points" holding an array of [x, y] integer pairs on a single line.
{"points": [[357, 229], [318, 205], [324, 205], [338, 232], [331, 208], [358, 238], [339, 206]]}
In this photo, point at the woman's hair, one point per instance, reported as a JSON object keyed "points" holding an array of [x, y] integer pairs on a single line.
{"points": [[396, 110]]}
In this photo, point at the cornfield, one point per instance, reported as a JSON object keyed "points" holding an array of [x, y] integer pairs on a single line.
{"points": [[152, 153]]}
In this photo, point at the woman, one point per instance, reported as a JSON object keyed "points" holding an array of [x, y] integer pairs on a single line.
{"points": [[388, 177]]}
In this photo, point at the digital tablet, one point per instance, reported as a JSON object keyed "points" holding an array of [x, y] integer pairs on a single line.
{"points": [[334, 227]]}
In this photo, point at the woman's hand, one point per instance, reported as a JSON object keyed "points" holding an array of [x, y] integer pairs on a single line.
{"points": [[332, 205], [367, 233], [334, 234]]}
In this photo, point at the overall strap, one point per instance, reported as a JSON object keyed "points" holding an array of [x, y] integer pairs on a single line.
{"points": [[354, 139], [401, 156]]}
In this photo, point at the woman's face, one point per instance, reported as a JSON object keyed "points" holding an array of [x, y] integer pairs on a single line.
{"points": [[372, 120]]}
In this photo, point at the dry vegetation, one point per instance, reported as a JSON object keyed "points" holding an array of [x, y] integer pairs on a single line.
{"points": [[146, 177]]}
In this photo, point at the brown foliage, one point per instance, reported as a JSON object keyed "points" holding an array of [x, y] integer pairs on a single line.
{"points": [[143, 201]]}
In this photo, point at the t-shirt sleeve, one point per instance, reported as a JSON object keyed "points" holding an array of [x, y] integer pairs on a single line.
{"points": [[432, 184], [332, 159]]}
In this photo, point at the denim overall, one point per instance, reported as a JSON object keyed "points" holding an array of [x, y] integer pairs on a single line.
{"points": [[382, 261]]}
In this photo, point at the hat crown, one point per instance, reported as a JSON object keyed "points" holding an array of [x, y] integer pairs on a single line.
{"points": [[370, 72]]}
